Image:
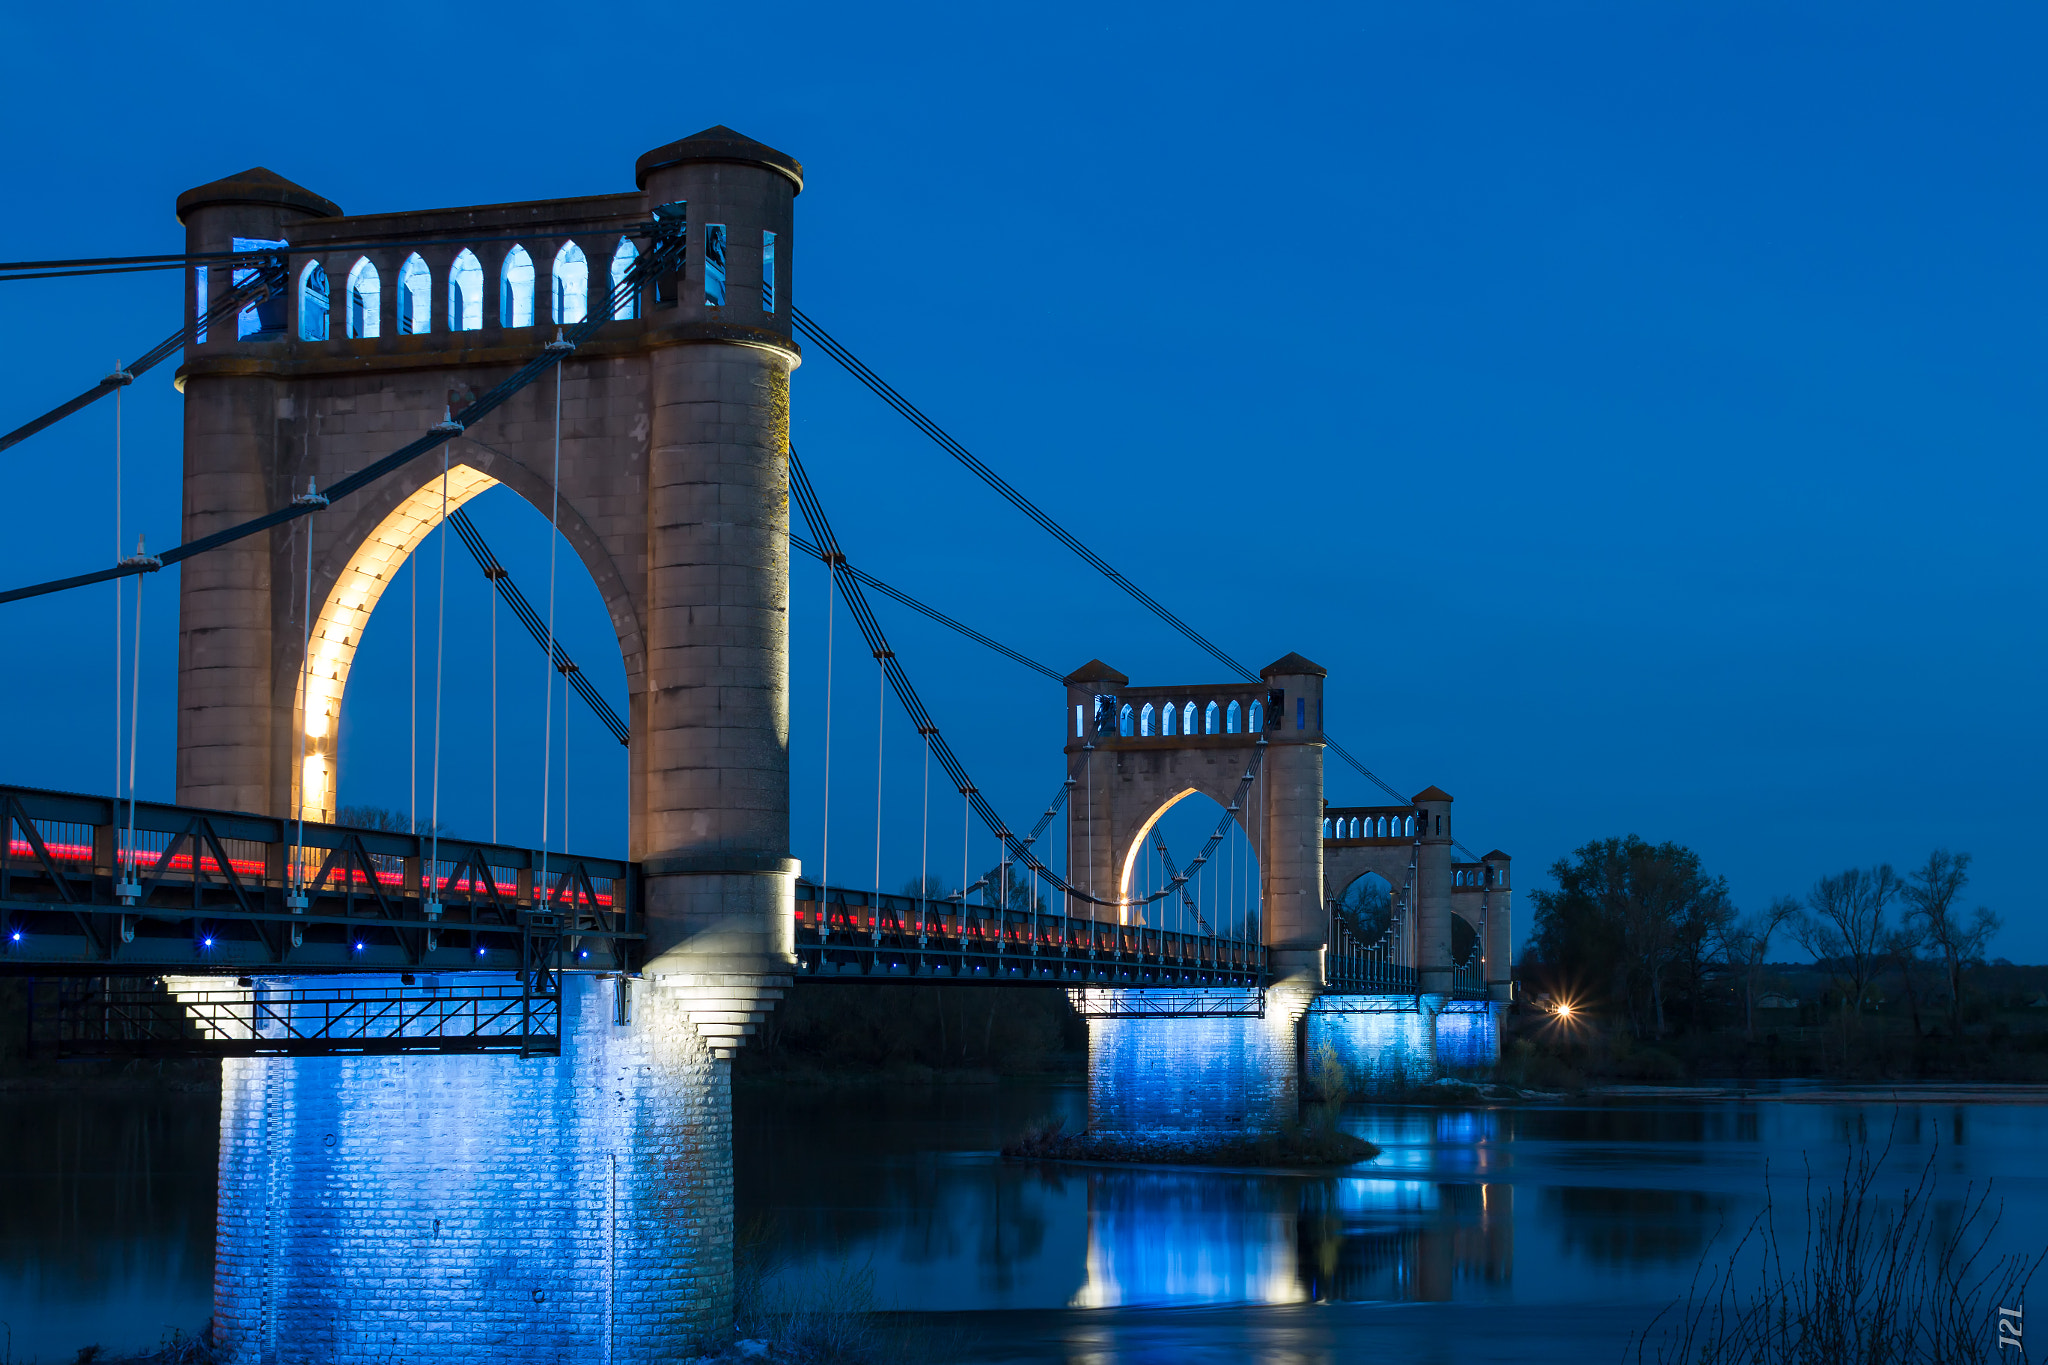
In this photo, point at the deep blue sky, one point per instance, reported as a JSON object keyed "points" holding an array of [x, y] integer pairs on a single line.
{"points": [[1638, 409]]}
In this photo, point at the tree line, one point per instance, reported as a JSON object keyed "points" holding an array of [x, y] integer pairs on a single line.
{"points": [[1644, 929]]}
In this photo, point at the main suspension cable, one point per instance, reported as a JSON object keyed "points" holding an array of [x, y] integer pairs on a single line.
{"points": [[659, 259], [267, 283], [1009, 493], [813, 512], [797, 539], [502, 586]]}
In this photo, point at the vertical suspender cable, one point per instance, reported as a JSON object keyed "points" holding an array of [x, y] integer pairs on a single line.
{"points": [[881, 719], [924, 852], [440, 644], [134, 723], [825, 836], [547, 738], [491, 587], [412, 781], [117, 584], [566, 712], [295, 898]]}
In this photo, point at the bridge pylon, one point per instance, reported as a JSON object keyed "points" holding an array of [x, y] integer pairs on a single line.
{"points": [[596, 1183]]}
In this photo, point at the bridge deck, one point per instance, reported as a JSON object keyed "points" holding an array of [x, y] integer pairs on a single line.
{"points": [[211, 895], [853, 935]]}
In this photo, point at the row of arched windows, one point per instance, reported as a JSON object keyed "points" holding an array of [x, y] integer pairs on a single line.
{"points": [[362, 297], [1174, 718], [1369, 827], [1472, 876]]}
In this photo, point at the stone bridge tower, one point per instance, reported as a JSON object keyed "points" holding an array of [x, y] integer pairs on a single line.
{"points": [[673, 434], [1229, 1061]]}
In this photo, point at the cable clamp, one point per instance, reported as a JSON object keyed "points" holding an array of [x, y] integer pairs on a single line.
{"points": [[141, 559], [120, 378], [560, 344], [129, 892], [446, 426], [312, 497]]}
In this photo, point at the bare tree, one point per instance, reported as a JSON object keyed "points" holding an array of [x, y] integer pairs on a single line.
{"points": [[1903, 946], [1930, 892], [1744, 944], [1846, 925]]}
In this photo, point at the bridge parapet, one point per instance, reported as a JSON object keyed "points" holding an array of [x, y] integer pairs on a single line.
{"points": [[212, 892]]}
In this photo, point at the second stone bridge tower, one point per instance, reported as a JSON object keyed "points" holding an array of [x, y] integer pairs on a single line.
{"points": [[1394, 1004]]}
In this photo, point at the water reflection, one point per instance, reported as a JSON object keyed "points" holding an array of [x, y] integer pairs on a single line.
{"points": [[107, 1230], [106, 1227], [1585, 1204]]}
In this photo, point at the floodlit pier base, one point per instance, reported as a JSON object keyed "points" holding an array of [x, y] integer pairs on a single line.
{"points": [[1384, 1043], [482, 1209], [1191, 1077], [1468, 1036]]}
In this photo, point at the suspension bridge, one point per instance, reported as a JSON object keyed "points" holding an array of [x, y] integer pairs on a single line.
{"points": [[512, 1062]]}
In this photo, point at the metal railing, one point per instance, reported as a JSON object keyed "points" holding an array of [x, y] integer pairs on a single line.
{"points": [[844, 933], [126, 1016], [199, 890]]}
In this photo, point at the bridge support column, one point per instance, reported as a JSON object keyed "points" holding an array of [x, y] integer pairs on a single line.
{"points": [[712, 746], [1468, 1036], [1181, 1081], [1433, 969], [482, 1209], [1385, 1044], [237, 603]]}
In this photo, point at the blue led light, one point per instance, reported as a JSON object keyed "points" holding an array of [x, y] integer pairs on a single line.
{"points": [[359, 947], [206, 942], [16, 936]]}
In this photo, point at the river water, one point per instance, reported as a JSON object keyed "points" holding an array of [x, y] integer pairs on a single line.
{"points": [[1547, 1232]]}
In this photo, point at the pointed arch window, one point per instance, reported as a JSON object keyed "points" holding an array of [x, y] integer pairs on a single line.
{"points": [[767, 272], [1123, 720], [415, 297], [466, 293], [1233, 719], [1187, 719], [622, 262], [1212, 719], [1168, 719], [714, 265], [515, 290], [1147, 721], [1255, 720], [315, 298], [572, 285], [365, 299], [265, 317]]}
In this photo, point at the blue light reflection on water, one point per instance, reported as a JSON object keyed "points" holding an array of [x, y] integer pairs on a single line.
{"points": [[1601, 1211], [1586, 1204]]}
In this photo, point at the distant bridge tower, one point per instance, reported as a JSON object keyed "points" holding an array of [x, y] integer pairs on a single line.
{"points": [[673, 493], [1224, 1061]]}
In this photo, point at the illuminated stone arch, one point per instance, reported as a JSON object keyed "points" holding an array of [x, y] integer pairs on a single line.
{"points": [[1125, 780], [1343, 866], [358, 556]]}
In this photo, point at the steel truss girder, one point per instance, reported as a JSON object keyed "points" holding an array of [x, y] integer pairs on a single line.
{"points": [[1124, 1003], [216, 896], [132, 1017]]}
